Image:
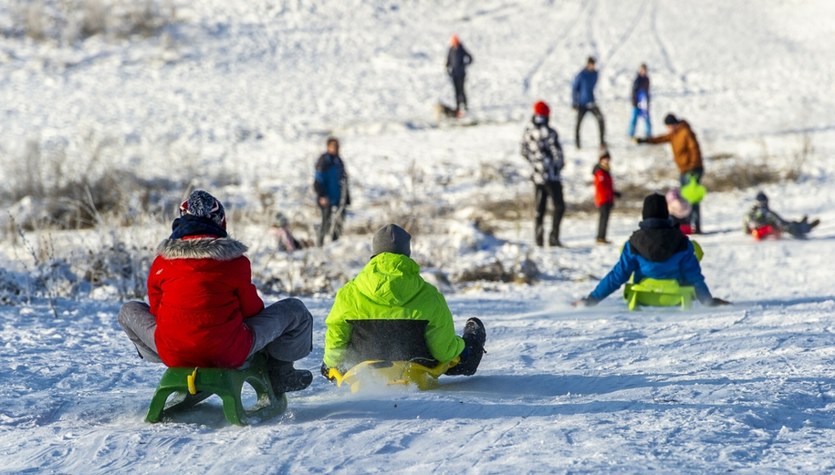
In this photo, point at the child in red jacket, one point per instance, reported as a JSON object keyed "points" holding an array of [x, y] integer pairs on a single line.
{"points": [[604, 194], [204, 309]]}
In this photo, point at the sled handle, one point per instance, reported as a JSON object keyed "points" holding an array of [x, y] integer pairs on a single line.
{"points": [[192, 389]]}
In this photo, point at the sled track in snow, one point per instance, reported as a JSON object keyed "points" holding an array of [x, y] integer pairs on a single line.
{"points": [[529, 78]]}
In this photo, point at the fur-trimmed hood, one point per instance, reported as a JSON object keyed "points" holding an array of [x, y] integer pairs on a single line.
{"points": [[222, 249]]}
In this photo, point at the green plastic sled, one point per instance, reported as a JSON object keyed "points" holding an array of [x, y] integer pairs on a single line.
{"points": [[193, 385], [659, 293]]}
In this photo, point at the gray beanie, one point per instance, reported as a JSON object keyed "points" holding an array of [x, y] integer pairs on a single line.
{"points": [[391, 238]]}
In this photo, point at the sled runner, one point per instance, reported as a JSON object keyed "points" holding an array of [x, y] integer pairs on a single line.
{"points": [[659, 293], [380, 373], [193, 385]]}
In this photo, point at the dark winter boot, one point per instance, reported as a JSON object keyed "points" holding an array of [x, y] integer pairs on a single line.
{"points": [[554, 240], [474, 338], [539, 232], [284, 377]]}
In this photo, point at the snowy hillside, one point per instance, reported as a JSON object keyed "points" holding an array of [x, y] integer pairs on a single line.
{"points": [[238, 97]]}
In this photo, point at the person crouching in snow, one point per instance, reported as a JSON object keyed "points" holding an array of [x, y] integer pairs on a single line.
{"points": [[388, 312], [658, 250], [205, 311], [762, 222], [679, 210], [604, 194]]}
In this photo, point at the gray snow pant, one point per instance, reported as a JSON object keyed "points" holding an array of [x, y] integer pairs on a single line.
{"points": [[284, 330]]}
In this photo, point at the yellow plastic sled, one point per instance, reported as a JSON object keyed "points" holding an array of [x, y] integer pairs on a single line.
{"points": [[380, 373], [659, 293]]}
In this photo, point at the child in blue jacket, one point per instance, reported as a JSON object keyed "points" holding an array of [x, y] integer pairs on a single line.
{"points": [[658, 250]]}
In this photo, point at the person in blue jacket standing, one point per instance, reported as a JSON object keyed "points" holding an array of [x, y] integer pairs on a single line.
{"points": [[640, 101], [331, 186], [582, 100], [657, 250]]}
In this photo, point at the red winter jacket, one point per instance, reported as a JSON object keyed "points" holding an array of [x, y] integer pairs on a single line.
{"points": [[200, 291], [604, 188]]}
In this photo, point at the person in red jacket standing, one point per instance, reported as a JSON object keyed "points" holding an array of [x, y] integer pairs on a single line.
{"points": [[604, 194], [204, 309]]}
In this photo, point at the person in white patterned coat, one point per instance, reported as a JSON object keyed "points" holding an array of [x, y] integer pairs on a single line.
{"points": [[541, 148]]}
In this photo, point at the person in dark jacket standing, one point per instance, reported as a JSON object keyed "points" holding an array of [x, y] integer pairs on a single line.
{"points": [[657, 250], [541, 148], [640, 101], [332, 195], [582, 100], [604, 194], [457, 60], [688, 157]]}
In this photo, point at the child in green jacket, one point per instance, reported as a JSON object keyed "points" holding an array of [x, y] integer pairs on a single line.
{"points": [[388, 312]]}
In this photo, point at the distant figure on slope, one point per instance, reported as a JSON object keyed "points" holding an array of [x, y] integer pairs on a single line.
{"points": [[388, 312], [658, 250], [679, 209], [604, 194], [457, 60], [541, 148], [640, 101], [762, 222], [582, 100], [204, 310], [688, 158], [332, 194]]}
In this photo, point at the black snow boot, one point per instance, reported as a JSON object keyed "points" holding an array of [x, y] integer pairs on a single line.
{"points": [[284, 377], [474, 338]]}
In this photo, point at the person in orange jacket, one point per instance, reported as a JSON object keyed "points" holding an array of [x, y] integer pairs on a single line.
{"points": [[604, 194], [686, 154]]}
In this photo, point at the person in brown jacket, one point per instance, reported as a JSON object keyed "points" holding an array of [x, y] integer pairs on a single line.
{"points": [[686, 154]]}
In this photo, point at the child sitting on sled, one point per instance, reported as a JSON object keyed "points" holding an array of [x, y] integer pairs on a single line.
{"points": [[388, 312], [205, 311], [761, 222], [657, 250]]}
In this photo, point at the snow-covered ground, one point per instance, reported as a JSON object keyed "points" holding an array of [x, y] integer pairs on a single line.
{"points": [[237, 97]]}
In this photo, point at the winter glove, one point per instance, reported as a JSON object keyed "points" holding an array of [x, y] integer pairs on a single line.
{"points": [[716, 301], [617, 194], [586, 302], [575, 106], [325, 370]]}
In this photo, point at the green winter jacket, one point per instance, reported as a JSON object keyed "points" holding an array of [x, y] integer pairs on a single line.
{"points": [[389, 288]]}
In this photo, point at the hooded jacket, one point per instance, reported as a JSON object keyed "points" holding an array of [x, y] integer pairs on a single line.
{"points": [[200, 291], [686, 151], [604, 188], [389, 312], [658, 251]]}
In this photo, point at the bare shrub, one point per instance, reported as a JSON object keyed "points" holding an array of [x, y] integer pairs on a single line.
{"points": [[77, 20]]}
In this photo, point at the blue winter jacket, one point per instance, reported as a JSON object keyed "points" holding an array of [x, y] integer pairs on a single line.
{"points": [[329, 178], [681, 265], [583, 88]]}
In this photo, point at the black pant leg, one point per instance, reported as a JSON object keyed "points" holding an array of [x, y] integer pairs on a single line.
{"points": [[555, 193], [540, 204], [460, 95], [581, 111], [603, 223], [325, 227]]}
